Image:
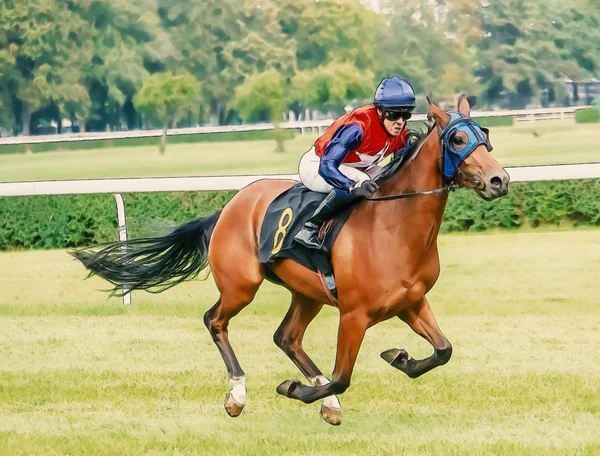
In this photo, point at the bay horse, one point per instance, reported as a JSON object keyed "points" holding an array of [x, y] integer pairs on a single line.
{"points": [[396, 242]]}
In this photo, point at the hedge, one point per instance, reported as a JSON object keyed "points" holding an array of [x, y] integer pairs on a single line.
{"points": [[588, 115], [501, 121], [135, 142], [528, 204], [44, 222]]}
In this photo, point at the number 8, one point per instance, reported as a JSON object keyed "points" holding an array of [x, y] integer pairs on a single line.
{"points": [[284, 221]]}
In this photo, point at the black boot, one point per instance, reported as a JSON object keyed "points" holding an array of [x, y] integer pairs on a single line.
{"points": [[332, 203]]}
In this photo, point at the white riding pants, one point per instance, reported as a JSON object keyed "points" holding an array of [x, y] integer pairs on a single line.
{"points": [[309, 173]]}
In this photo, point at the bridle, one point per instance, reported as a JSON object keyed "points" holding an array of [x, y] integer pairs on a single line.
{"points": [[451, 158]]}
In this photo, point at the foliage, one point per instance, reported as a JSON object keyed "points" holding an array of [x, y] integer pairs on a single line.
{"points": [[125, 36], [263, 97], [45, 50], [333, 86], [527, 204], [588, 115], [69, 221], [222, 42], [166, 97], [332, 30], [430, 44], [86, 60], [530, 47]]}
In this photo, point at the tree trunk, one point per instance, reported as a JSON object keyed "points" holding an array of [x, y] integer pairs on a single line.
{"points": [[163, 139], [25, 119], [81, 125], [26, 123], [216, 111], [279, 134]]}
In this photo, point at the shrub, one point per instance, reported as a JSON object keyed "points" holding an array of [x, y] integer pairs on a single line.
{"points": [[502, 121], [588, 115]]}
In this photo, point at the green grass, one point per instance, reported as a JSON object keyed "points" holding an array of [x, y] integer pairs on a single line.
{"points": [[557, 142], [82, 374]]}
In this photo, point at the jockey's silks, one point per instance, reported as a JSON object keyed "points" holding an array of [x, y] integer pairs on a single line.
{"points": [[357, 139]]}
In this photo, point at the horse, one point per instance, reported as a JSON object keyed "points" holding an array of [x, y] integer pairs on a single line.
{"points": [[394, 234]]}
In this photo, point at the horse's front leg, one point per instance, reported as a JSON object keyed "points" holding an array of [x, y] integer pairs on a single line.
{"points": [[420, 318], [350, 335]]}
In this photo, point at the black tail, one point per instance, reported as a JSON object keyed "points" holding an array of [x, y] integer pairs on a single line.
{"points": [[153, 264]]}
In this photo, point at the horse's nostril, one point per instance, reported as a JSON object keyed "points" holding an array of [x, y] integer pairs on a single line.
{"points": [[496, 181]]}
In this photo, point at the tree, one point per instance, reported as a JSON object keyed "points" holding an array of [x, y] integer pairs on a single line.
{"points": [[263, 94], [166, 97], [126, 36], [428, 43], [44, 49], [328, 30], [524, 49], [579, 26], [333, 86], [222, 42]]}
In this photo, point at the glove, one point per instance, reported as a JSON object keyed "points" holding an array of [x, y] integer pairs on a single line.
{"points": [[367, 189]]}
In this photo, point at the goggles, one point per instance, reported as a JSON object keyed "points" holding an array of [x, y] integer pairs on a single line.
{"points": [[395, 115]]}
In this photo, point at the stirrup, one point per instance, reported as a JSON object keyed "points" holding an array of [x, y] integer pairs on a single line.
{"points": [[330, 283], [309, 238]]}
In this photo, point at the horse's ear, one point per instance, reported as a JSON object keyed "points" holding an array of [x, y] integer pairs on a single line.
{"points": [[463, 105], [438, 114], [486, 132]]}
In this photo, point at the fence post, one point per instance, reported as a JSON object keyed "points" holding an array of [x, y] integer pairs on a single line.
{"points": [[122, 237]]}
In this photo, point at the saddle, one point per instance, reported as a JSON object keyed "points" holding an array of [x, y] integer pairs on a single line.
{"points": [[285, 216]]}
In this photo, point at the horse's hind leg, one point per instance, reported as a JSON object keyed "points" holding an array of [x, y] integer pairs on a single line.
{"points": [[238, 285], [421, 320], [289, 337]]}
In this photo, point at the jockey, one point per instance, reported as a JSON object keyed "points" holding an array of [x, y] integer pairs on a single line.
{"points": [[343, 161]]}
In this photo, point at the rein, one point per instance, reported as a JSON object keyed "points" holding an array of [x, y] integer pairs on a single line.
{"points": [[436, 191]]}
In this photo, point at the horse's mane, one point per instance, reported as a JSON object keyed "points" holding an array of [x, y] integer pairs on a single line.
{"points": [[414, 140]]}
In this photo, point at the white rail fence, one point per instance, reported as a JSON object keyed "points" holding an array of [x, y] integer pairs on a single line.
{"points": [[302, 126], [182, 184], [187, 184]]}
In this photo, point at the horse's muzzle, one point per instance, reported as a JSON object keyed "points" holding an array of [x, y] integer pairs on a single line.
{"points": [[495, 187]]}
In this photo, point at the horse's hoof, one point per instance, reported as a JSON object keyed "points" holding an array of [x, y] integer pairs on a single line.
{"points": [[395, 356], [232, 408], [332, 416], [287, 387]]}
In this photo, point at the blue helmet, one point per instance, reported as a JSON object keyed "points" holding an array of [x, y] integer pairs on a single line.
{"points": [[395, 94]]}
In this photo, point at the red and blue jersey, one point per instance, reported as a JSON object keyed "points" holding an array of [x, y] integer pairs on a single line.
{"points": [[357, 139]]}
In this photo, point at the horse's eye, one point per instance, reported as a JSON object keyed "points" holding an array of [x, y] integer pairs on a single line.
{"points": [[457, 140]]}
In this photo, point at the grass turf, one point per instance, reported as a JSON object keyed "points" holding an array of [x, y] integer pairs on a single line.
{"points": [[81, 374], [556, 142]]}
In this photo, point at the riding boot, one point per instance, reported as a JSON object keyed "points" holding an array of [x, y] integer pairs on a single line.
{"points": [[332, 203]]}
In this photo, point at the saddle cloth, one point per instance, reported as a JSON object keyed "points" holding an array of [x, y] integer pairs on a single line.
{"points": [[286, 216]]}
